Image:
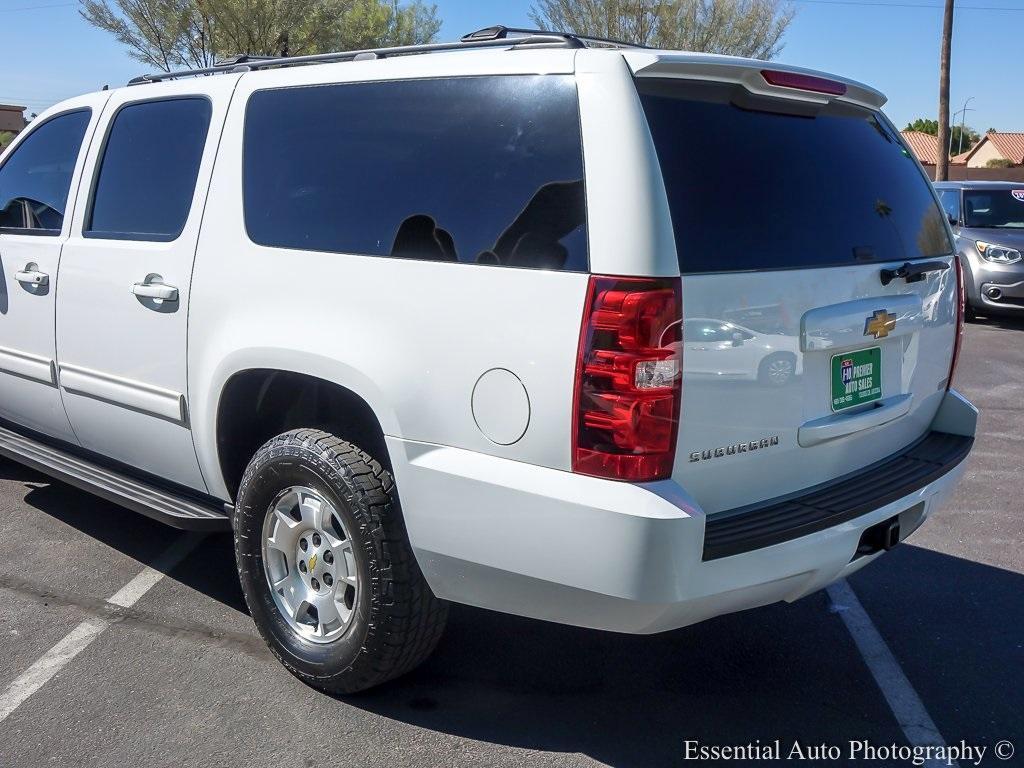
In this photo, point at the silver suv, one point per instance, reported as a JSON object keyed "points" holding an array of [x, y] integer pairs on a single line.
{"points": [[988, 221]]}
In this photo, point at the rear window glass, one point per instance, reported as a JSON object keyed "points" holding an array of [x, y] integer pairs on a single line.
{"points": [[994, 208], [751, 189], [486, 170]]}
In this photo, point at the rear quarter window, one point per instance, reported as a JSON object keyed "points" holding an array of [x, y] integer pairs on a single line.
{"points": [[485, 170], [751, 189]]}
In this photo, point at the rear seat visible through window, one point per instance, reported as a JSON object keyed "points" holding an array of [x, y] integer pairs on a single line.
{"points": [[385, 169]]}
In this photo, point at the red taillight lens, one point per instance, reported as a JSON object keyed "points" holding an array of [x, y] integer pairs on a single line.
{"points": [[961, 307], [803, 82], [628, 379]]}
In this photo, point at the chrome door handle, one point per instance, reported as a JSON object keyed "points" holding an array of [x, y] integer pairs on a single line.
{"points": [[32, 276], [155, 291]]}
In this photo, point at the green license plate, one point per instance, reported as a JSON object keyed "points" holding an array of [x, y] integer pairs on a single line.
{"points": [[856, 378]]}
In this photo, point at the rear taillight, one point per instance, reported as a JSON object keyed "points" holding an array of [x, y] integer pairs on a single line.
{"points": [[628, 379], [803, 82], [961, 307]]}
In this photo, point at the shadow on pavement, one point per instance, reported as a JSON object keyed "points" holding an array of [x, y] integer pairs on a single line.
{"points": [[788, 671], [209, 569], [1006, 322], [782, 672]]}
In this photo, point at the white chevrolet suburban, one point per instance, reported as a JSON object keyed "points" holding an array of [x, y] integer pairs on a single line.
{"points": [[411, 323]]}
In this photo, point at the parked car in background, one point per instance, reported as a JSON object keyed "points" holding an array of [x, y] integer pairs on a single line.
{"points": [[409, 322], [988, 221], [726, 350]]}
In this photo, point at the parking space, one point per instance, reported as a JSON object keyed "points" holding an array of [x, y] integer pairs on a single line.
{"points": [[181, 678]]}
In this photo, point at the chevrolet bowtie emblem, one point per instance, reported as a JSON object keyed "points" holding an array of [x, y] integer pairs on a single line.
{"points": [[312, 562], [879, 324]]}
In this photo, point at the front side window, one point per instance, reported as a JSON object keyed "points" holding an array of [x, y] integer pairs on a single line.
{"points": [[36, 178], [994, 208], [487, 170], [147, 175]]}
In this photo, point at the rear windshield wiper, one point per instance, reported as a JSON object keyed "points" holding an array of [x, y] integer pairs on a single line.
{"points": [[912, 273]]}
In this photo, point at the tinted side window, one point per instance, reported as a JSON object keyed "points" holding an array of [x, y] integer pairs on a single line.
{"points": [[486, 170], [951, 202], [147, 175], [751, 188], [35, 179]]}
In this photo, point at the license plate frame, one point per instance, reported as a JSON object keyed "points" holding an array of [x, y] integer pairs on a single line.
{"points": [[863, 381]]}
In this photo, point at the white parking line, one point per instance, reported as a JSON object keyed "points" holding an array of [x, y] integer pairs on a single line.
{"points": [[79, 638], [906, 705]]}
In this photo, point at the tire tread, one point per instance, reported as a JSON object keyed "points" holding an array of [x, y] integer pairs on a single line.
{"points": [[409, 619]]}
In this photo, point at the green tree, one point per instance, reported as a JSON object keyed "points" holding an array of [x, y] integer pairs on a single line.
{"points": [[195, 33], [752, 28], [962, 138], [970, 136], [924, 125]]}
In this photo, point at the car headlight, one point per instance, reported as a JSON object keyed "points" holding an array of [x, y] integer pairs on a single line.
{"points": [[998, 254]]}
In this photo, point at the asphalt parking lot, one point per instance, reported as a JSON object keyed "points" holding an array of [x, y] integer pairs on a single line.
{"points": [[180, 677]]}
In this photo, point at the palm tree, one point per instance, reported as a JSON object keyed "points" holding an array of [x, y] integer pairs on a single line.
{"points": [[942, 163]]}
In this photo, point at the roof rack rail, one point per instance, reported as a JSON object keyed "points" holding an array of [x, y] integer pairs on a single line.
{"points": [[500, 32], [490, 37]]}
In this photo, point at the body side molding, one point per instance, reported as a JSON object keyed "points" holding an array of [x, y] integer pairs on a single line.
{"points": [[157, 401], [35, 367]]}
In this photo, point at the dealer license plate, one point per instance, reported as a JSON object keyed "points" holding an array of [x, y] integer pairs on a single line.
{"points": [[856, 378]]}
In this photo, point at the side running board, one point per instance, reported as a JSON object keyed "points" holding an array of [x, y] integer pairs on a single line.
{"points": [[173, 509]]}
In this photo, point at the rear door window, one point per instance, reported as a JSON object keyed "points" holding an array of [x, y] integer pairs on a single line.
{"points": [[36, 177], [751, 189], [147, 176], [485, 170]]}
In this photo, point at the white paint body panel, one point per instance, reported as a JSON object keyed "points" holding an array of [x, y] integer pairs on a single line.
{"points": [[595, 553], [410, 337], [28, 357], [505, 526], [122, 358], [818, 313]]}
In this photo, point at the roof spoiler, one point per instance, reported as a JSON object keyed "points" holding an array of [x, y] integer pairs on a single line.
{"points": [[761, 78]]}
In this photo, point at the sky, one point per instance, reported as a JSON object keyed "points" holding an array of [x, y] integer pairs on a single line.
{"points": [[48, 53]]}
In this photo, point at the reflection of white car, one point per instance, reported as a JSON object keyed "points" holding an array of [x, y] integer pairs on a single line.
{"points": [[720, 348]]}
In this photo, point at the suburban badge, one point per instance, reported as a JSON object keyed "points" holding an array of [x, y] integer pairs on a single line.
{"points": [[732, 450]]}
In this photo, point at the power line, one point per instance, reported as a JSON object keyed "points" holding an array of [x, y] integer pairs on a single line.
{"points": [[35, 7], [911, 5]]}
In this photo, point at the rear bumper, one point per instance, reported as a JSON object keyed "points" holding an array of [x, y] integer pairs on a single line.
{"points": [[578, 550]]}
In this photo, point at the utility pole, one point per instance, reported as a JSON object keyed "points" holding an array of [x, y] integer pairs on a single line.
{"points": [[942, 164]]}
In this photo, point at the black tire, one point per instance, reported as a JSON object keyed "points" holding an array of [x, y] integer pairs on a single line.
{"points": [[764, 374], [396, 620]]}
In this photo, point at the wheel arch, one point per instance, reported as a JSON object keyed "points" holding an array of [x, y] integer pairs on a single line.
{"points": [[255, 402]]}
